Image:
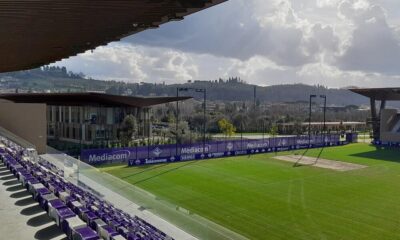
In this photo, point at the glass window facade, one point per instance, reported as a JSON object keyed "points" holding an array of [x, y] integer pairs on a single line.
{"points": [[88, 124]]}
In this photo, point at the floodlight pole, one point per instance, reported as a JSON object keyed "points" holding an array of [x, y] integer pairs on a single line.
{"points": [[263, 129], [147, 113], [204, 117], [204, 91], [324, 128], [177, 122], [309, 120], [241, 135]]}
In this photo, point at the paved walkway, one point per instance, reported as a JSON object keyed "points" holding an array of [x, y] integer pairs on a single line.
{"points": [[20, 216]]}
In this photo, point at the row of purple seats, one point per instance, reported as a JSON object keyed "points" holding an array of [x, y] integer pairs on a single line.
{"points": [[73, 207], [25, 172]]}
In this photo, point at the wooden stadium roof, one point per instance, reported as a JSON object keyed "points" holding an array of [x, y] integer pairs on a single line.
{"points": [[380, 94], [88, 99], [38, 32]]}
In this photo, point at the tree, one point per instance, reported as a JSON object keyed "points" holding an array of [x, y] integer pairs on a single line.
{"points": [[128, 129], [273, 130], [241, 120], [226, 127], [297, 128], [196, 121]]}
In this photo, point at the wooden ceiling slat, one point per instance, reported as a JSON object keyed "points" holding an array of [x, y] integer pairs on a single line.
{"points": [[38, 32]]}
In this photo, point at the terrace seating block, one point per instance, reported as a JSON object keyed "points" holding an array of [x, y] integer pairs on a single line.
{"points": [[84, 234], [24, 178], [40, 193], [75, 205], [34, 187], [117, 237], [106, 232], [53, 205], [45, 200], [81, 211], [63, 196], [123, 231], [62, 214], [97, 224], [71, 224], [30, 182]]}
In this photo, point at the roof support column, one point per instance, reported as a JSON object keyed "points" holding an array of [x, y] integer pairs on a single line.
{"points": [[383, 106], [375, 119]]}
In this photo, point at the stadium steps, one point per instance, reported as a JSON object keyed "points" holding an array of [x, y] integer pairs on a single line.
{"points": [[21, 217], [78, 213]]}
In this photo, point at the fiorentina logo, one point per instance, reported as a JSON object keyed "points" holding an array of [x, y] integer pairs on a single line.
{"points": [[229, 146], [157, 151]]}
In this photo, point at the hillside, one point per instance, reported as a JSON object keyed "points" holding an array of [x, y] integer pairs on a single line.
{"points": [[276, 93], [58, 79]]}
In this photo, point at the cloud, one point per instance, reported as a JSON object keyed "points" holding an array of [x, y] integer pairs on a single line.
{"points": [[241, 29], [374, 45], [134, 64], [330, 42]]}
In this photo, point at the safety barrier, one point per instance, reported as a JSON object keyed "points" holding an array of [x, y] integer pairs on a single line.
{"points": [[144, 155]]}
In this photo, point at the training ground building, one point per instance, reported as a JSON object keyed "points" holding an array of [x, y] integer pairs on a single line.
{"points": [[385, 121], [77, 118], [331, 127]]}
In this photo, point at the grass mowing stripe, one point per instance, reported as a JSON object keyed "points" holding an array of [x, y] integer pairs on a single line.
{"points": [[261, 197]]}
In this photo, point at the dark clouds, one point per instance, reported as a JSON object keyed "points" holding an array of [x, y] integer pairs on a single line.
{"points": [[330, 42], [374, 46], [233, 30]]}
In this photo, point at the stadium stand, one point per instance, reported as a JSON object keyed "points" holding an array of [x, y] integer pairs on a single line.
{"points": [[385, 121], [77, 212], [396, 127]]}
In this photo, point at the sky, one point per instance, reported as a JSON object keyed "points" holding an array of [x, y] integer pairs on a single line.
{"points": [[335, 43]]}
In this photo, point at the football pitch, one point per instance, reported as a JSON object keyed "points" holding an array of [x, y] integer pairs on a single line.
{"points": [[260, 197]]}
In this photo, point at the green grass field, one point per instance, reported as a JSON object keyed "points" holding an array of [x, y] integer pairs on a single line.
{"points": [[262, 198]]}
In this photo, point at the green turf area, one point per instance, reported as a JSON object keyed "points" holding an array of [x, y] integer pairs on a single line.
{"points": [[262, 198]]}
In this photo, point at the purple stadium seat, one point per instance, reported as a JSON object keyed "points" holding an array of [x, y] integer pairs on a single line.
{"points": [[62, 214], [45, 200], [118, 237], [89, 217], [24, 178], [97, 224], [53, 205], [84, 234], [71, 224], [81, 211], [40, 193], [123, 231], [106, 232], [31, 182], [64, 196], [64, 202]]}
